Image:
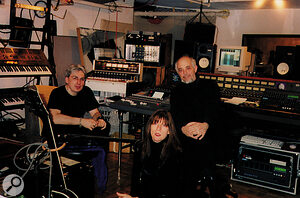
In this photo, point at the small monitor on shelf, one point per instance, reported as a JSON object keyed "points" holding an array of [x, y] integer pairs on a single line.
{"points": [[232, 60]]}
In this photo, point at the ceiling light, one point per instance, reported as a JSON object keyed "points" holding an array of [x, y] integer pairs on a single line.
{"points": [[259, 3], [279, 3]]}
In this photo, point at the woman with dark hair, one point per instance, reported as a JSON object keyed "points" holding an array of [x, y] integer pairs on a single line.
{"points": [[157, 160]]}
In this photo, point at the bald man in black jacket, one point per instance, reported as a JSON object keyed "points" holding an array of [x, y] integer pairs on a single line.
{"points": [[194, 106]]}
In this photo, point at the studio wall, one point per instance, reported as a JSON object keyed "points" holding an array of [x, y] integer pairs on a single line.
{"points": [[264, 21]]}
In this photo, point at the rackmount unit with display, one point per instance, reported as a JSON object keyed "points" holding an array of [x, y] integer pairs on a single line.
{"points": [[271, 168], [143, 47]]}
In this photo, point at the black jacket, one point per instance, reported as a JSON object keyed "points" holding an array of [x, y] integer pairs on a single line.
{"points": [[198, 101], [152, 179]]}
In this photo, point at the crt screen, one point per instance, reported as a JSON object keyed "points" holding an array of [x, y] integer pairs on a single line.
{"points": [[230, 57]]}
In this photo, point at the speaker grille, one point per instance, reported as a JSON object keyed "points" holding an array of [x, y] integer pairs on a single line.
{"points": [[284, 66], [204, 55]]}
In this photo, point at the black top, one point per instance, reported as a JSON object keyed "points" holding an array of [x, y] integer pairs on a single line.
{"points": [[198, 101], [75, 106], [153, 179]]}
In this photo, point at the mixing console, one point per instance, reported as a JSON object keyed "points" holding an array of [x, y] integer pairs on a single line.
{"points": [[249, 87], [275, 94], [252, 96], [281, 100]]}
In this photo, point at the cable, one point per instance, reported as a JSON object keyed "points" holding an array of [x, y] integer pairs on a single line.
{"points": [[32, 159], [27, 156], [96, 18], [14, 115], [116, 35], [56, 149], [28, 82]]}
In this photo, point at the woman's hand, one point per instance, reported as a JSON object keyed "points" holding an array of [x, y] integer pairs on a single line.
{"points": [[124, 195]]}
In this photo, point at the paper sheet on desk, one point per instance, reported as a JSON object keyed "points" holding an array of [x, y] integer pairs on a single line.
{"points": [[235, 100]]}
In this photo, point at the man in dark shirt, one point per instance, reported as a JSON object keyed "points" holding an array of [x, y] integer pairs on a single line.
{"points": [[194, 107], [68, 105]]}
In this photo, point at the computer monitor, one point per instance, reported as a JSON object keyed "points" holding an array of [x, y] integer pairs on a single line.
{"points": [[232, 59]]}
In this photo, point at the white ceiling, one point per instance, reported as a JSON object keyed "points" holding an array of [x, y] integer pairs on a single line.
{"points": [[218, 4]]}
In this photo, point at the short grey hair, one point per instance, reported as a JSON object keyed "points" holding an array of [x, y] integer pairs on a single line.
{"points": [[74, 67], [192, 60]]}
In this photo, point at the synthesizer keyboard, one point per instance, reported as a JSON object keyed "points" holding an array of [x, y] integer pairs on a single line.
{"points": [[17, 62], [24, 70], [250, 139], [12, 98]]}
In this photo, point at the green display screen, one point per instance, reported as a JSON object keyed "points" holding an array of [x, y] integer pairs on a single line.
{"points": [[293, 96], [276, 168]]}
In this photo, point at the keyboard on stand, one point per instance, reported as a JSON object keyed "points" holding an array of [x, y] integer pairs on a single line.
{"points": [[250, 139], [17, 62]]}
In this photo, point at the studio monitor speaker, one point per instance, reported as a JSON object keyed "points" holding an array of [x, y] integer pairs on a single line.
{"points": [[183, 48], [204, 55], [20, 37], [149, 76], [200, 32], [285, 63]]}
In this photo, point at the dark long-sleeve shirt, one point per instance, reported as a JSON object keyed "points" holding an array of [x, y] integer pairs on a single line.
{"points": [[198, 101], [153, 179]]}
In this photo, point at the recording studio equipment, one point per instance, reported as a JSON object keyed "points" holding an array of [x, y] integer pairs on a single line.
{"points": [[285, 63], [200, 32], [104, 89], [143, 47], [255, 140], [281, 100], [183, 48], [139, 37], [21, 31], [204, 55], [23, 62], [252, 88], [110, 78], [117, 71], [12, 98], [267, 167], [37, 106], [143, 103], [252, 96]]}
